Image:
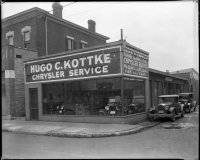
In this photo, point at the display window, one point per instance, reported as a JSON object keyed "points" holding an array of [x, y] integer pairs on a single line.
{"points": [[93, 97], [134, 95]]}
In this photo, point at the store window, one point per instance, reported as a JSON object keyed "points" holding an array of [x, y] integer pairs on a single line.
{"points": [[85, 97], [134, 95]]}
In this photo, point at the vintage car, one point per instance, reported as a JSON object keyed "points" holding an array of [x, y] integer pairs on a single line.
{"points": [[187, 100], [168, 106], [136, 105]]}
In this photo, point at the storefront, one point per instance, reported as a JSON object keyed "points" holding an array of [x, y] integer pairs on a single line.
{"points": [[162, 83], [77, 87]]}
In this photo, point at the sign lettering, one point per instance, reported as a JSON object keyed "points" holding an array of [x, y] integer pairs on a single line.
{"points": [[135, 63], [95, 63]]}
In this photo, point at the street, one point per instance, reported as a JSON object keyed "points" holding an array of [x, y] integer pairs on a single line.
{"points": [[177, 139]]}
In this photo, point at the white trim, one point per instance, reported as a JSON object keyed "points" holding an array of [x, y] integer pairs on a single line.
{"points": [[69, 37], [26, 29], [9, 34], [84, 42], [71, 55], [69, 79]]}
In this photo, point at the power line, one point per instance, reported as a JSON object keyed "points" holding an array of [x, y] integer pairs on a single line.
{"points": [[88, 10], [64, 6]]}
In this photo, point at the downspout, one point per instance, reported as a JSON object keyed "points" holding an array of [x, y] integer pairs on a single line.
{"points": [[46, 35]]}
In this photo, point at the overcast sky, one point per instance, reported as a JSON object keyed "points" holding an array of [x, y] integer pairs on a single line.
{"points": [[167, 30]]}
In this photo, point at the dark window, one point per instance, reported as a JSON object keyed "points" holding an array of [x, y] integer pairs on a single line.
{"points": [[26, 38], [70, 44], [18, 56]]}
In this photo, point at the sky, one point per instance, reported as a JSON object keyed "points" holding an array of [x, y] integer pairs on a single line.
{"points": [[167, 30]]}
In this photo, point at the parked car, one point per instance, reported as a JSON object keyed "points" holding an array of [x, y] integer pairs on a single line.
{"points": [[113, 108], [168, 106], [187, 100], [136, 105]]}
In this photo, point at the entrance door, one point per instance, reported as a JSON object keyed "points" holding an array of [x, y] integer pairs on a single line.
{"points": [[33, 100]]}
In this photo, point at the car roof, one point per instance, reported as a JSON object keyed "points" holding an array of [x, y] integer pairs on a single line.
{"points": [[172, 95], [185, 93]]}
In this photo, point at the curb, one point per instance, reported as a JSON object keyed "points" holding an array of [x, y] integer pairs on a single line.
{"points": [[84, 135]]}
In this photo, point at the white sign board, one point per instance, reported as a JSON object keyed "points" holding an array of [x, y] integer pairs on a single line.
{"points": [[9, 74]]}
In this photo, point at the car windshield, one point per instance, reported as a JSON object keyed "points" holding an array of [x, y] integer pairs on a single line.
{"points": [[183, 97], [166, 99]]}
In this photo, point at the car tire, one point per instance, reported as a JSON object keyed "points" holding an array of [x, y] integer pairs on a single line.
{"points": [[151, 119], [182, 113], [173, 118]]}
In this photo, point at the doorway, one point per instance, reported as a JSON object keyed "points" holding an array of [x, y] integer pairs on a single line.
{"points": [[33, 103]]}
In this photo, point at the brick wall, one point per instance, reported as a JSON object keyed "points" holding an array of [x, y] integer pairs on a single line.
{"points": [[18, 37], [56, 35], [19, 79]]}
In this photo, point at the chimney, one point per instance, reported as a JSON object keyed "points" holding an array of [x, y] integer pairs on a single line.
{"points": [[57, 9], [167, 71], [91, 25]]}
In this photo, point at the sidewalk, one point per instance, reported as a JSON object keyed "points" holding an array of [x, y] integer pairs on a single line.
{"points": [[70, 129]]}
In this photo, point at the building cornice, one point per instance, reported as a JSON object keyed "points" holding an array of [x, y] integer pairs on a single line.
{"points": [[136, 48]]}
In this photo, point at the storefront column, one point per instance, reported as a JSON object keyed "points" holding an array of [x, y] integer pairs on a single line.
{"points": [[147, 94], [122, 95]]}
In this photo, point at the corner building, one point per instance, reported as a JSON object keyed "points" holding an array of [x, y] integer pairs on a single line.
{"points": [[84, 81]]}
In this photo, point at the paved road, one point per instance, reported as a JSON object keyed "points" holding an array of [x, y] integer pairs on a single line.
{"points": [[167, 140]]}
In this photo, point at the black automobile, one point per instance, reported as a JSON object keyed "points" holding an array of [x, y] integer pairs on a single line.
{"points": [[169, 106], [136, 105], [187, 100]]}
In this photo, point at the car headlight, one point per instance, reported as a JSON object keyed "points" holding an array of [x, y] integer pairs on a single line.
{"points": [[166, 107], [152, 108]]}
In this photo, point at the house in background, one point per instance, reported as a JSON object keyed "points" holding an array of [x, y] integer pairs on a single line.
{"points": [[193, 79]]}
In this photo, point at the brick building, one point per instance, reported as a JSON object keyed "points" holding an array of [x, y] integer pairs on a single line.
{"points": [[49, 62], [37, 29], [193, 79], [12, 79], [36, 33]]}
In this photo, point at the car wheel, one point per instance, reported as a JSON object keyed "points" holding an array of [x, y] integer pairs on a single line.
{"points": [[182, 113], [173, 118], [150, 118], [189, 110]]}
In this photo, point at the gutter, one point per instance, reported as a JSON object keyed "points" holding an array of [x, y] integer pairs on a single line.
{"points": [[46, 35]]}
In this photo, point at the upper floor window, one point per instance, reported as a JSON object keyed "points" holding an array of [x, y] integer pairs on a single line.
{"points": [[70, 44], [10, 37], [83, 44], [26, 33]]}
